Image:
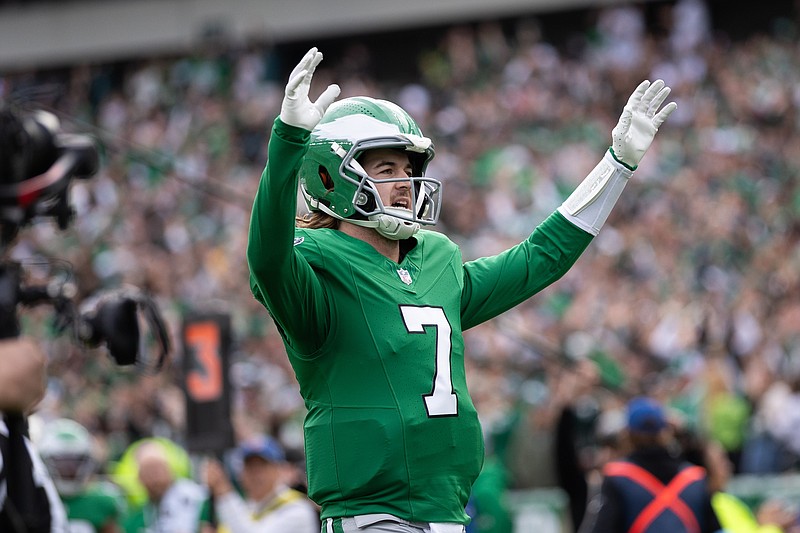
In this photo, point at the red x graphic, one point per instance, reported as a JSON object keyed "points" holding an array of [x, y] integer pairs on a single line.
{"points": [[665, 496]]}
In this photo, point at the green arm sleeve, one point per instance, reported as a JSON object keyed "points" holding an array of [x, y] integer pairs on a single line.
{"points": [[493, 285], [280, 278]]}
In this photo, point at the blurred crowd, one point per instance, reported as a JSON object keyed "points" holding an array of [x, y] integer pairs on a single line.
{"points": [[691, 293]]}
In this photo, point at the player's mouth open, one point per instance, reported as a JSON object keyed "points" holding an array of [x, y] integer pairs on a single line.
{"points": [[401, 203]]}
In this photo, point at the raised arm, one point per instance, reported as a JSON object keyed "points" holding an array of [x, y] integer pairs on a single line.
{"points": [[280, 278], [590, 204], [492, 285]]}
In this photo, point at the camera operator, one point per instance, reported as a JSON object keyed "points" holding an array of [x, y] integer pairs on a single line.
{"points": [[37, 164], [29, 502]]}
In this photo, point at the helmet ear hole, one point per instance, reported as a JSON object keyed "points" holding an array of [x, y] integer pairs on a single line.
{"points": [[418, 162], [325, 177]]}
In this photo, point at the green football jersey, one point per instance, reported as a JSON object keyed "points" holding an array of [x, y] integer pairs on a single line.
{"points": [[89, 511], [377, 346], [388, 409]]}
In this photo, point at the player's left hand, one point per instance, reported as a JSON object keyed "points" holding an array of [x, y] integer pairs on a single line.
{"points": [[297, 109], [639, 122]]}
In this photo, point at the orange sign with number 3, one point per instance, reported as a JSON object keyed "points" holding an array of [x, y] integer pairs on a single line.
{"points": [[204, 383]]}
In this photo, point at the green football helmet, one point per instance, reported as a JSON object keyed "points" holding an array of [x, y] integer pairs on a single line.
{"points": [[332, 180]]}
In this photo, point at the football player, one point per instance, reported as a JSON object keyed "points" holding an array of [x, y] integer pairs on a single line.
{"points": [[67, 449], [371, 306]]}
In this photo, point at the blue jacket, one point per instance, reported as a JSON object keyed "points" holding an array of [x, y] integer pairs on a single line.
{"points": [[652, 492], [652, 506]]}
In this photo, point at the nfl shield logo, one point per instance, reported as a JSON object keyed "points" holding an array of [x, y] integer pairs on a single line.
{"points": [[405, 277]]}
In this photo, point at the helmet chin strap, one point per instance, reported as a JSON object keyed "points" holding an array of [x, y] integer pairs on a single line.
{"points": [[386, 224], [394, 228], [389, 226]]}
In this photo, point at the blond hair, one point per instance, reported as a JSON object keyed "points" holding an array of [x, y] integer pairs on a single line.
{"points": [[317, 220]]}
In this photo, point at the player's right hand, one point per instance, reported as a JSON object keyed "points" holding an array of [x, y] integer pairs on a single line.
{"points": [[297, 109]]}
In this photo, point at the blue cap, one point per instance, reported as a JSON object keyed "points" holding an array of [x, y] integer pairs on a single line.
{"points": [[645, 415], [265, 447]]}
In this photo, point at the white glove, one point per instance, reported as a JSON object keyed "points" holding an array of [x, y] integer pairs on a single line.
{"points": [[638, 124], [296, 109]]}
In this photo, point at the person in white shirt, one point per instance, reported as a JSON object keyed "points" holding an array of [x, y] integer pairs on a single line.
{"points": [[268, 505], [173, 503]]}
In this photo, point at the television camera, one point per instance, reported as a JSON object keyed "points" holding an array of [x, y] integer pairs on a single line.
{"points": [[37, 165]]}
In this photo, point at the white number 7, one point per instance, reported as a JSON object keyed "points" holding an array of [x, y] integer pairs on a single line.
{"points": [[441, 401]]}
